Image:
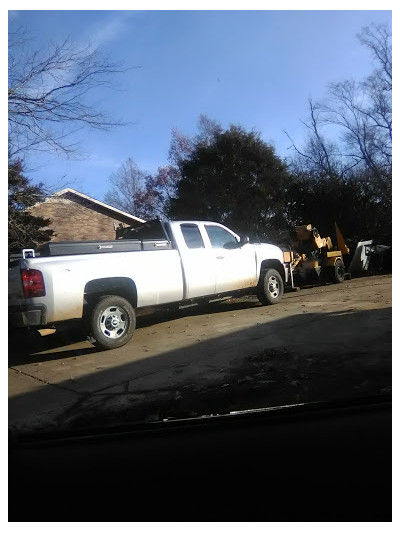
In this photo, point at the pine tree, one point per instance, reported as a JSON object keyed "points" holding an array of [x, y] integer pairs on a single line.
{"points": [[25, 230]]}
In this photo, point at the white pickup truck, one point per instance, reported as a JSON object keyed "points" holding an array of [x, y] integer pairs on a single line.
{"points": [[103, 283]]}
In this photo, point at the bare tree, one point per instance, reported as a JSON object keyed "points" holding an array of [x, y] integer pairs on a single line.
{"points": [[126, 188], [208, 129], [319, 155], [378, 39], [159, 191], [182, 146], [363, 110], [48, 95], [359, 115], [343, 170]]}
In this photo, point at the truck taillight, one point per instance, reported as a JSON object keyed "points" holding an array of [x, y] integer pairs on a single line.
{"points": [[33, 283]]}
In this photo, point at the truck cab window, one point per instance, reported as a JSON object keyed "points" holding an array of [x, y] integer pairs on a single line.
{"points": [[192, 236], [220, 238]]}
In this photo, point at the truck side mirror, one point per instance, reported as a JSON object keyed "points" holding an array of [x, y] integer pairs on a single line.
{"points": [[244, 240]]}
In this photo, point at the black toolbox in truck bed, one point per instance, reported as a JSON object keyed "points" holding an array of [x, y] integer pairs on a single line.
{"points": [[99, 247]]}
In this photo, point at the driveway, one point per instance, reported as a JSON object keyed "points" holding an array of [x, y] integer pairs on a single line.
{"points": [[320, 343]]}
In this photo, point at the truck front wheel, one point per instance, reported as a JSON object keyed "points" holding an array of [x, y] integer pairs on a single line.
{"points": [[111, 322], [270, 287]]}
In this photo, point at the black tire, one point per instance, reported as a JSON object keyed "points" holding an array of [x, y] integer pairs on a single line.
{"points": [[111, 322], [270, 287], [334, 274], [338, 272]]}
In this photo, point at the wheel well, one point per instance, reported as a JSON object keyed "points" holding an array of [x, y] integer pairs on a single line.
{"points": [[124, 287], [273, 263]]}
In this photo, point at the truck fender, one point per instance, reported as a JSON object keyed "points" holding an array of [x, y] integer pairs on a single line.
{"points": [[120, 286], [272, 263]]}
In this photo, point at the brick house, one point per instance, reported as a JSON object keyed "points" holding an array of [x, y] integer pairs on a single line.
{"points": [[77, 217]]}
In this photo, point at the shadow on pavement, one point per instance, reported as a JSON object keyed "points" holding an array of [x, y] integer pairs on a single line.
{"points": [[25, 345], [301, 358]]}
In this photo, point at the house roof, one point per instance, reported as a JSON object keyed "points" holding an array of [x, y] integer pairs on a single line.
{"points": [[80, 195]]}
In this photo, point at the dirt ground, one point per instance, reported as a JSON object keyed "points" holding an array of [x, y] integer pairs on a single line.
{"points": [[321, 343]]}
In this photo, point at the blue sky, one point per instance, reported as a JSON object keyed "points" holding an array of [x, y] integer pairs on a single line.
{"points": [[253, 68]]}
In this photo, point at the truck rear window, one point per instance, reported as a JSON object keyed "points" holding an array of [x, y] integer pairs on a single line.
{"points": [[192, 236]]}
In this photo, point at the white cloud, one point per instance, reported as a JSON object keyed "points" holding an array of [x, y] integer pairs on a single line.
{"points": [[118, 24]]}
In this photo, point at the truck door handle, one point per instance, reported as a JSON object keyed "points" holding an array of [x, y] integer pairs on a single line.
{"points": [[220, 257]]}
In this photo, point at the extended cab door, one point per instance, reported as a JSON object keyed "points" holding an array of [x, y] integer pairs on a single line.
{"points": [[198, 262], [235, 265]]}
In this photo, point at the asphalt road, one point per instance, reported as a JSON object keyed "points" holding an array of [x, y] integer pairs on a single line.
{"points": [[320, 343]]}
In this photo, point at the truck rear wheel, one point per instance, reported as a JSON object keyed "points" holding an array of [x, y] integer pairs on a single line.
{"points": [[111, 322], [270, 287]]}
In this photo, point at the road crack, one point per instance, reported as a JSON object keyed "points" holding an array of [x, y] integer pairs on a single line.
{"points": [[45, 382]]}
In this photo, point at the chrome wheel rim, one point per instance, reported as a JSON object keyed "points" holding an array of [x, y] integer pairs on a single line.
{"points": [[114, 322], [273, 286]]}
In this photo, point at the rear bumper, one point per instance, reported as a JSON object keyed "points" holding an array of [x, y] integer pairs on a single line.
{"points": [[27, 315]]}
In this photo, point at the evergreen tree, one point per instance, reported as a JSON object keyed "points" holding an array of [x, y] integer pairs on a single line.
{"points": [[234, 178], [24, 229]]}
